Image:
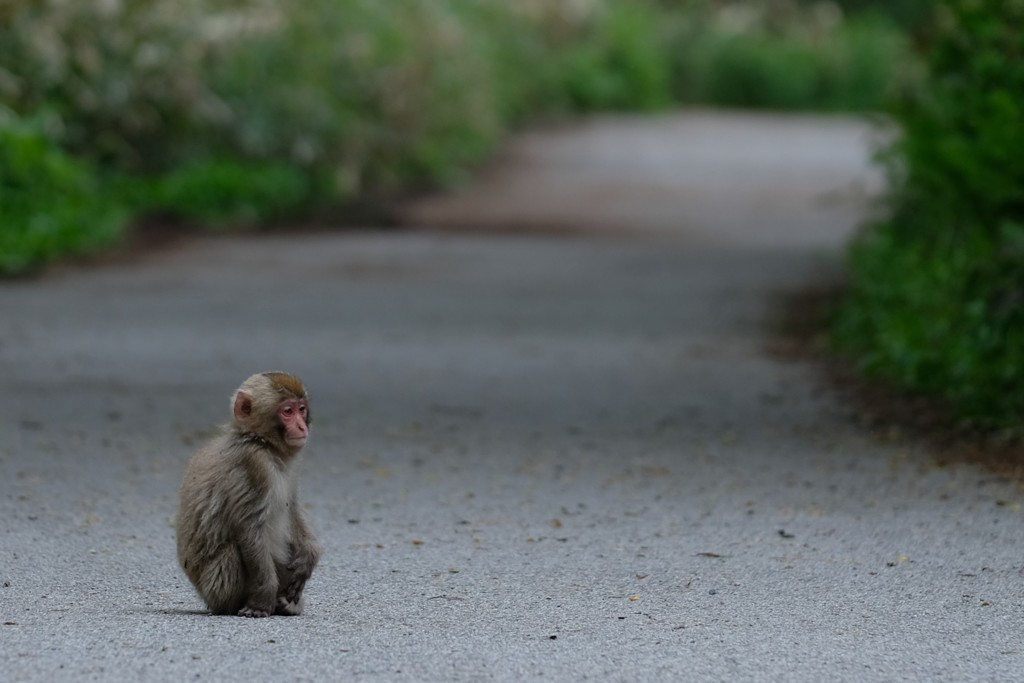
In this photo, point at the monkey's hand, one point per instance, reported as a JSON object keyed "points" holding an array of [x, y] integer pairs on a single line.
{"points": [[294, 575], [253, 612], [293, 591]]}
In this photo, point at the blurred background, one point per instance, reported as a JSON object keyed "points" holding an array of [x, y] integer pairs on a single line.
{"points": [[240, 114]]}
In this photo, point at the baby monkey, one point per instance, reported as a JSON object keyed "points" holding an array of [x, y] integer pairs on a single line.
{"points": [[242, 538]]}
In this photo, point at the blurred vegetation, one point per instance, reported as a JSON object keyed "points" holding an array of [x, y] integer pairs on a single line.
{"points": [[237, 112], [912, 16], [789, 55], [51, 203], [937, 298]]}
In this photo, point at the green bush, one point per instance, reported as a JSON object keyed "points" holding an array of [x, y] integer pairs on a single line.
{"points": [[234, 112], [913, 16], [937, 299], [123, 79], [744, 55], [225, 193], [371, 95], [619, 64], [50, 203]]}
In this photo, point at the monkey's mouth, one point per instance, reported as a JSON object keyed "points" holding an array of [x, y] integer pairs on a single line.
{"points": [[295, 441]]}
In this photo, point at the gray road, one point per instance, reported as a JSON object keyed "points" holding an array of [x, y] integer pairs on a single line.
{"points": [[550, 442]]}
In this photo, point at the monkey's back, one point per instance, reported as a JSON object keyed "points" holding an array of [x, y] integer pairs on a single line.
{"points": [[209, 499]]}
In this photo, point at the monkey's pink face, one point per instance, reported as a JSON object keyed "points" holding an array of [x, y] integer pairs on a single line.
{"points": [[294, 416]]}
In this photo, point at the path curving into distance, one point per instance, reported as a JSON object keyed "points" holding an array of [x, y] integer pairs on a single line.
{"points": [[550, 440]]}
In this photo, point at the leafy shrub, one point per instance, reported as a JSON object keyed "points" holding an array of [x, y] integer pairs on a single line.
{"points": [[124, 78], [937, 300], [50, 203], [913, 16], [619, 64], [226, 193], [752, 55], [373, 95], [236, 111]]}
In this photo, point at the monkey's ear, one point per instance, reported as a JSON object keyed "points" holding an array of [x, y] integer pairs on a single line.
{"points": [[243, 406]]}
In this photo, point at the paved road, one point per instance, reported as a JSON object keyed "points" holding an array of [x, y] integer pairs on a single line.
{"points": [[539, 455]]}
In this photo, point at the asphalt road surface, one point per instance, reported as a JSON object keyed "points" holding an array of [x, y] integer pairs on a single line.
{"points": [[551, 441]]}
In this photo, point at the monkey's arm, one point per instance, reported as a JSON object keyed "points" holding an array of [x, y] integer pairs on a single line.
{"points": [[305, 556]]}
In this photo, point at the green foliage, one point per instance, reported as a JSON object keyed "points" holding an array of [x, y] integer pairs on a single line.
{"points": [[50, 203], [941, 319], [745, 56], [235, 112], [124, 79], [964, 134], [226, 193], [620, 63], [374, 95], [937, 300], [913, 16]]}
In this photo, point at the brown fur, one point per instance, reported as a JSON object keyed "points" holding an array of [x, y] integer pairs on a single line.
{"points": [[242, 538]]}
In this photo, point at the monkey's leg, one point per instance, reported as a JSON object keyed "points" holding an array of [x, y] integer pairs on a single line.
{"points": [[222, 583], [261, 574]]}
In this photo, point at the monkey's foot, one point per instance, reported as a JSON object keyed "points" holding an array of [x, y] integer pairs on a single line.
{"points": [[253, 612], [288, 608]]}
